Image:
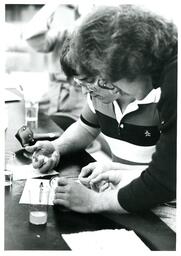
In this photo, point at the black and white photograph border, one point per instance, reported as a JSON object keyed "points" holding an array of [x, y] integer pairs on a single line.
{"points": [[167, 9]]}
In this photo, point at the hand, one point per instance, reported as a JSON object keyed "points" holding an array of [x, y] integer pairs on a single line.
{"points": [[107, 180], [75, 196], [91, 171], [114, 179], [45, 157]]}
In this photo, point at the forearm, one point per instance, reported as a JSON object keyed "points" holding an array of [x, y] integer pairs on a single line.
{"points": [[38, 24], [73, 139], [107, 202], [43, 42], [157, 183]]}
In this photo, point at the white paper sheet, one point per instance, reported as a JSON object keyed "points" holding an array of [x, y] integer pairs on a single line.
{"points": [[121, 241], [27, 171], [35, 183]]}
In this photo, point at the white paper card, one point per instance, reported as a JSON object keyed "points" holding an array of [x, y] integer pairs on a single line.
{"points": [[24, 172], [35, 183], [116, 240]]}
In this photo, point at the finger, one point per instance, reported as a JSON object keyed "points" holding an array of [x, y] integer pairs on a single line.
{"points": [[87, 170], [111, 186], [38, 158], [46, 165], [100, 177], [112, 176], [85, 181], [62, 181], [104, 187], [33, 148], [94, 187], [98, 185], [84, 173], [60, 189], [55, 158], [93, 172], [60, 202], [60, 196], [37, 161], [37, 155], [97, 171]]}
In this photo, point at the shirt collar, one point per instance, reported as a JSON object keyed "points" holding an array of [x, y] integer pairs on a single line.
{"points": [[152, 97]]}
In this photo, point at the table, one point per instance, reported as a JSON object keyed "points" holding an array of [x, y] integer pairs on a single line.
{"points": [[20, 235]]}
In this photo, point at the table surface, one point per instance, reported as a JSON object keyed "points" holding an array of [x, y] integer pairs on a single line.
{"points": [[20, 235]]}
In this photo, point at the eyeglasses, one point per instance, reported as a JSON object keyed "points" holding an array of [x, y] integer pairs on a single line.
{"points": [[84, 83], [105, 85], [90, 84]]}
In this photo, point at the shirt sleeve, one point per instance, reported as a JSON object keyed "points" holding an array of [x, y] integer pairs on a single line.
{"points": [[157, 184], [88, 118]]}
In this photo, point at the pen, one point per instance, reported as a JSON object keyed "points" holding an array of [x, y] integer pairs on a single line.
{"points": [[40, 193]]}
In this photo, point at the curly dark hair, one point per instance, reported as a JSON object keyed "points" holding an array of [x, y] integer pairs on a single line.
{"points": [[122, 42]]}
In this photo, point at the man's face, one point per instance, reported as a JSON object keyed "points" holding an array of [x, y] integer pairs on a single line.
{"points": [[137, 89], [105, 92], [108, 92], [105, 96]]}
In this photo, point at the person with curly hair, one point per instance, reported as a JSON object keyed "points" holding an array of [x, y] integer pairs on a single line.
{"points": [[120, 52]]}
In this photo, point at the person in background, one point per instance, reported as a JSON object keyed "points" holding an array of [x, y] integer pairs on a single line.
{"points": [[46, 33], [120, 52]]}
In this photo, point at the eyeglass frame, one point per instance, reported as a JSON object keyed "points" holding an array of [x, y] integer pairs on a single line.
{"points": [[89, 85]]}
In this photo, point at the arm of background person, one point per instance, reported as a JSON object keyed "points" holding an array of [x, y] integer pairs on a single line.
{"points": [[37, 33]]}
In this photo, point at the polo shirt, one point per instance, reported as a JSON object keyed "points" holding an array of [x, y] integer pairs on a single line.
{"points": [[131, 135]]}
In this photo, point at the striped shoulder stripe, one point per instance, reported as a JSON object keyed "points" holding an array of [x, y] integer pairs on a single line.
{"points": [[88, 123], [129, 152], [132, 133]]}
